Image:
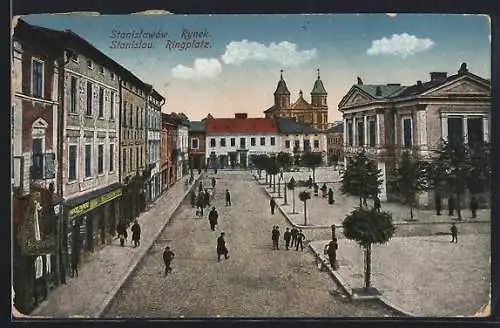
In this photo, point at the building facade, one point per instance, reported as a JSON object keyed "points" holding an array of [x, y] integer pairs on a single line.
{"points": [[182, 153], [36, 209], [168, 140], [197, 144], [231, 141], [314, 114], [335, 143], [153, 123], [386, 120]]}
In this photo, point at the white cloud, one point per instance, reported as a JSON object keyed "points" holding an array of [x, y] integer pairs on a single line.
{"points": [[391, 14], [203, 68], [285, 53], [402, 45]]}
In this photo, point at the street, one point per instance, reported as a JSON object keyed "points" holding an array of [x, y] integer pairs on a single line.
{"points": [[254, 282]]}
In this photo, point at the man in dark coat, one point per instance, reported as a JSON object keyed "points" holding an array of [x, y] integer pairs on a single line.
{"points": [[331, 251], [275, 236], [200, 203], [207, 197], [473, 206], [272, 204], [200, 187], [212, 218], [454, 233], [193, 198], [310, 183], [136, 233], [75, 250], [331, 201], [294, 234], [287, 236], [228, 198], [221, 247], [121, 230], [213, 182], [300, 239], [168, 256], [324, 190]]}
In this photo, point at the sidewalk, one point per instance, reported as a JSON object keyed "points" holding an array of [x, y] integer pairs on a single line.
{"points": [[419, 276], [107, 269]]}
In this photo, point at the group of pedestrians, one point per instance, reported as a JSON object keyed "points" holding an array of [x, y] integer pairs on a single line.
{"points": [[293, 238]]}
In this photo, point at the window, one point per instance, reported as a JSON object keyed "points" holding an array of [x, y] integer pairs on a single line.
{"points": [[101, 69], [233, 142], [372, 132], [89, 98], [88, 161], [101, 102], [349, 134], [131, 114], [37, 79], [137, 117], [287, 144], [407, 142], [212, 142], [124, 160], [112, 76], [243, 143], [316, 144], [475, 134], [130, 160], [263, 141], [273, 141], [112, 107], [37, 151], [140, 162], [74, 57], [360, 130], [455, 129], [90, 64], [252, 141], [137, 163], [124, 114], [72, 95], [111, 157], [223, 142], [296, 145], [194, 143], [100, 159], [71, 163]]}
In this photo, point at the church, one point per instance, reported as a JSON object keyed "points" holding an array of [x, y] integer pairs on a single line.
{"points": [[314, 114]]}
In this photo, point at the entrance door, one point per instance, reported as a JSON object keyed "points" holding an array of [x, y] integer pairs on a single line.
{"points": [[243, 159]]}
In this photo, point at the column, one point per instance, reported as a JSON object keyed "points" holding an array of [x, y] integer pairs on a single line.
{"points": [[365, 134], [380, 130], [444, 127], [354, 128], [486, 130], [465, 132]]}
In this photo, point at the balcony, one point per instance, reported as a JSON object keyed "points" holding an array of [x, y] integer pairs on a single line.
{"points": [[43, 166]]}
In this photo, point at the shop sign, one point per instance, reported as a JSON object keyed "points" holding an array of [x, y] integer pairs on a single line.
{"points": [[94, 203]]}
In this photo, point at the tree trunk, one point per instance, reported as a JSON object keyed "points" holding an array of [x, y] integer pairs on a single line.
{"points": [[266, 178], [360, 201], [459, 212], [260, 174], [293, 200], [279, 188], [305, 213], [368, 271], [270, 181], [411, 211], [314, 175], [274, 183]]}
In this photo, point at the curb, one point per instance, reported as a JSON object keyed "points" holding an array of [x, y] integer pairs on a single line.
{"points": [[111, 295], [348, 289]]}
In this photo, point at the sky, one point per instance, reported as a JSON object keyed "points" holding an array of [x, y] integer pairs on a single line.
{"points": [[222, 64]]}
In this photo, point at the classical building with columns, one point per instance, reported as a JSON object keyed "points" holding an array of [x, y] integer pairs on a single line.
{"points": [[388, 119]]}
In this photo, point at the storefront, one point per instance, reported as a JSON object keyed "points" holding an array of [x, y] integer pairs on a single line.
{"points": [[91, 220]]}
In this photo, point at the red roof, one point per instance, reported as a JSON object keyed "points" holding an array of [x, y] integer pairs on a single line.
{"points": [[240, 126]]}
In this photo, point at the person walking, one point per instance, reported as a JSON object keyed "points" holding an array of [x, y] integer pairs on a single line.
{"points": [[272, 204], [75, 250], [207, 198], [136, 233], [454, 233], [287, 236], [473, 206], [168, 256], [213, 182], [200, 203], [324, 190], [200, 187], [331, 251], [121, 229], [331, 201], [310, 183], [300, 241], [221, 247], [212, 218], [228, 198], [294, 233], [275, 237], [193, 198]]}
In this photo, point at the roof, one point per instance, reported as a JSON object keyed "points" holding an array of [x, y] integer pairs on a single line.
{"points": [[240, 126], [301, 103], [386, 90], [336, 128], [282, 88], [197, 126], [271, 109], [318, 87], [289, 126]]}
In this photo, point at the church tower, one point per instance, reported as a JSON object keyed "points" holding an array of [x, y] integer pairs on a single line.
{"points": [[318, 93], [282, 95]]}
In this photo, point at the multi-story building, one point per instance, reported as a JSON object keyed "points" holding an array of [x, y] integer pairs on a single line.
{"points": [[197, 144], [182, 153], [386, 120], [133, 173], [230, 141], [297, 138], [335, 143], [35, 206], [168, 144], [153, 122], [314, 114]]}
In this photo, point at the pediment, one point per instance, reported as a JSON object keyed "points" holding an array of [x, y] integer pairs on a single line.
{"points": [[461, 87], [355, 97], [40, 124]]}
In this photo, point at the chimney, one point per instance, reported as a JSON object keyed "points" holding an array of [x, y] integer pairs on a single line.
{"points": [[240, 116], [378, 92], [438, 76]]}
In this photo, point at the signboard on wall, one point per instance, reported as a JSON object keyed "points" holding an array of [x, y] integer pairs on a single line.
{"points": [[94, 203]]}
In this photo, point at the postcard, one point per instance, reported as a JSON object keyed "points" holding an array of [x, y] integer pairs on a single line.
{"points": [[251, 166]]}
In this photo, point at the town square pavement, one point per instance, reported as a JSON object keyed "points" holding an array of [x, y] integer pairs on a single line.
{"points": [[254, 282], [423, 276]]}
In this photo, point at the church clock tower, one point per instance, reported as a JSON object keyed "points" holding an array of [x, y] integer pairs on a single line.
{"points": [[282, 95]]}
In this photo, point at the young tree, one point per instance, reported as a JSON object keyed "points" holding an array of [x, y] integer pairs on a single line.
{"points": [[361, 178], [272, 169], [291, 185], [312, 160], [260, 163], [367, 227], [411, 179], [284, 160], [480, 168], [304, 196]]}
